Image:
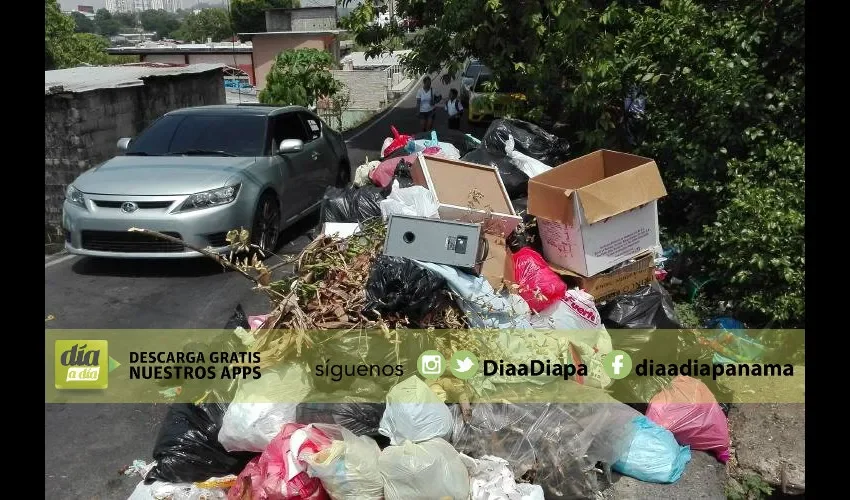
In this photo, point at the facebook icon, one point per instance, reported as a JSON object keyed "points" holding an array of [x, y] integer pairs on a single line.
{"points": [[617, 364]]}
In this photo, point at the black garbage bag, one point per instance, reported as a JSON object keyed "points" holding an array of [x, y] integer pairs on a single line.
{"points": [[529, 139], [351, 204], [238, 319], [398, 286], [514, 179], [402, 174], [649, 306], [187, 447]]}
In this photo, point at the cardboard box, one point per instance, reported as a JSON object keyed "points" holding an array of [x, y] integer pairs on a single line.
{"points": [[453, 182], [609, 284], [597, 211], [498, 266]]}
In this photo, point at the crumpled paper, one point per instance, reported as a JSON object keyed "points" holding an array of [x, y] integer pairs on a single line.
{"points": [[491, 479]]}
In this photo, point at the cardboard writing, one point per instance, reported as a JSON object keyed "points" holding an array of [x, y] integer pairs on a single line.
{"points": [[556, 236], [627, 245]]}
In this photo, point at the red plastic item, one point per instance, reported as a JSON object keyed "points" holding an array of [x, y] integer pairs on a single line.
{"points": [[265, 477], [538, 284], [432, 151], [399, 141], [687, 408], [383, 174]]}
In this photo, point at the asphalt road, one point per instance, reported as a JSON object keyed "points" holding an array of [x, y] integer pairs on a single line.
{"points": [[90, 293]]}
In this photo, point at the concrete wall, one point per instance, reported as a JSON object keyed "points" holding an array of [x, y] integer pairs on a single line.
{"points": [[368, 88], [81, 130], [314, 19], [267, 47], [305, 19]]}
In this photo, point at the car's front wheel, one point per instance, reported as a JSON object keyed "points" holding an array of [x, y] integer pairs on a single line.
{"points": [[266, 229]]}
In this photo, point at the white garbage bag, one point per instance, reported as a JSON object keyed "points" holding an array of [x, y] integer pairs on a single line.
{"points": [[348, 469], [415, 201], [159, 490], [530, 166], [414, 413], [361, 175], [424, 471], [263, 406], [491, 479], [448, 150]]}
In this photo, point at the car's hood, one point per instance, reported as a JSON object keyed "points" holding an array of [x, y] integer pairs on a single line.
{"points": [[160, 175]]}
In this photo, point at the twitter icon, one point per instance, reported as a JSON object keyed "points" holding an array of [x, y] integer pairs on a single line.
{"points": [[463, 365]]}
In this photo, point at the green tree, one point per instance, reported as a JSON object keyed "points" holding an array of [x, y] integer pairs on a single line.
{"points": [[104, 23], [82, 23], [300, 77], [209, 23], [127, 20], [63, 48], [724, 89], [162, 22], [249, 15]]}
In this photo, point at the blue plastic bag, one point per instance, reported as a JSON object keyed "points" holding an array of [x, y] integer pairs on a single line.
{"points": [[654, 455], [728, 337]]}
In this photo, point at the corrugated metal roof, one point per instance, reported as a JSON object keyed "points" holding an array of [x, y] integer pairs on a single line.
{"points": [[88, 78]]}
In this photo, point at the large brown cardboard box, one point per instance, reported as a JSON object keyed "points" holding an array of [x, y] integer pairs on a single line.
{"points": [[454, 182], [609, 284], [597, 211]]}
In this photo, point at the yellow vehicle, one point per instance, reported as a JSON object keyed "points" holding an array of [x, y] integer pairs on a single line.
{"points": [[486, 106]]}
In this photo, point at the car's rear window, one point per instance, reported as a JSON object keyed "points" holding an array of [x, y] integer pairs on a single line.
{"points": [[238, 135]]}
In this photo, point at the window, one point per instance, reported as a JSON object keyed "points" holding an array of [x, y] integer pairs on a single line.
{"points": [[314, 126], [238, 135], [289, 126], [503, 87]]}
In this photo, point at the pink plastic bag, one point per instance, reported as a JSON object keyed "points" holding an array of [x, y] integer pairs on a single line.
{"points": [[383, 174], [279, 473], [687, 408], [257, 321], [399, 141], [538, 284]]}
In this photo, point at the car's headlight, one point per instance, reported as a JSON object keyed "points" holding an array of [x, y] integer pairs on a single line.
{"points": [[207, 199], [75, 196]]}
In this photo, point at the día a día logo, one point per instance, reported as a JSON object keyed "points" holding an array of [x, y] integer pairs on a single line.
{"points": [[81, 364]]}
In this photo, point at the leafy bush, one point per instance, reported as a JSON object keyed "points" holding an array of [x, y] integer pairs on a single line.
{"points": [[300, 77]]}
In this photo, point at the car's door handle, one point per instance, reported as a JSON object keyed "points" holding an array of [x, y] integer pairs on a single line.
{"points": [[316, 155]]}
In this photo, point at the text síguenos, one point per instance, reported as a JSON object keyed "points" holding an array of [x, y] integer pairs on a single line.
{"points": [[337, 371], [534, 368]]}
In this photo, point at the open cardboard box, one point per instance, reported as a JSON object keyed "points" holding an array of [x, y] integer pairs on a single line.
{"points": [[597, 211], [454, 182], [609, 284]]}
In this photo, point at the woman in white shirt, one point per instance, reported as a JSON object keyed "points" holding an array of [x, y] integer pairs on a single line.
{"points": [[425, 102]]}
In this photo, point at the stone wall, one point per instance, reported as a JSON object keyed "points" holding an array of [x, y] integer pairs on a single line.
{"points": [[368, 88], [81, 130]]}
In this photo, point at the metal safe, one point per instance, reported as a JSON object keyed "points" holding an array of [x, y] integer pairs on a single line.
{"points": [[452, 243]]}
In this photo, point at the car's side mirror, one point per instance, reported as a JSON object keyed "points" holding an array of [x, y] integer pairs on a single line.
{"points": [[290, 146], [123, 144]]}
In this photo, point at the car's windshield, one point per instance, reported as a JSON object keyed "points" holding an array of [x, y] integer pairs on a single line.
{"points": [[202, 134], [473, 69], [503, 86]]}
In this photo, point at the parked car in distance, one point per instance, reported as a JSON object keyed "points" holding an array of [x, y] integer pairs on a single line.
{"points": [[486, 106], [470, 72], [196, 173]]}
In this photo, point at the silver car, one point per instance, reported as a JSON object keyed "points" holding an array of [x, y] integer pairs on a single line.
{"points": [[197, 173]]}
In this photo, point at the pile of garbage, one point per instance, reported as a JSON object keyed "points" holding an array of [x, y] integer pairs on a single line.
{"points": [[514, 236]]}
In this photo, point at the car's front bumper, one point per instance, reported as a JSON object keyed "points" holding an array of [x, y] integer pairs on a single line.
{"points": [[99, 231]]}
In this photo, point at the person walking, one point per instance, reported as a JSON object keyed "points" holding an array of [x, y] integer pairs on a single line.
{"points": [[425, 102], [454, 108]]}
